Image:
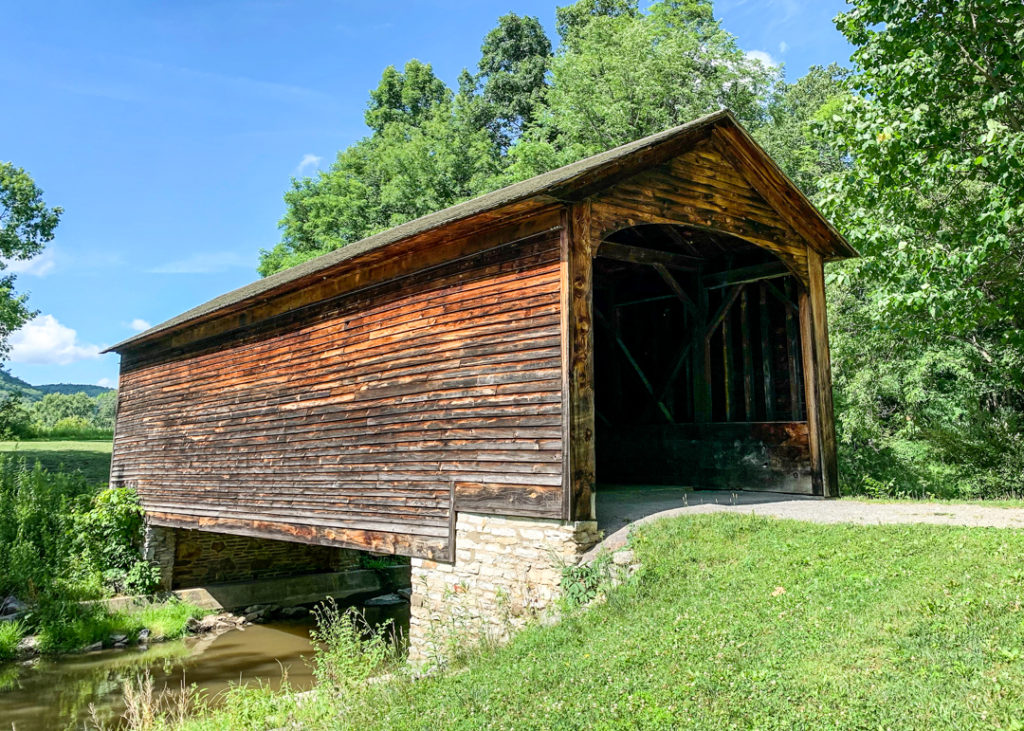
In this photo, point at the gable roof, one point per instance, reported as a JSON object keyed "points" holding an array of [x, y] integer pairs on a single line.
{"points": [[569, 183]]}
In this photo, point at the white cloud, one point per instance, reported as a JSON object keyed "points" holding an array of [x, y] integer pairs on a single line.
{"points": [[107, 383], [138, 325], [38, 266], [308, 160], [762, 56], [783, 47], [44, 341], [205, 263]]}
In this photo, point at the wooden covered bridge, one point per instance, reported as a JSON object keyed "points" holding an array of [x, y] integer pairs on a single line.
{"points": [[654, 314]]}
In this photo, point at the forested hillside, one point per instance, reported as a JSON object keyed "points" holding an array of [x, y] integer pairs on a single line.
{"points": [[13, 384], [60, 410], [916, 152]]}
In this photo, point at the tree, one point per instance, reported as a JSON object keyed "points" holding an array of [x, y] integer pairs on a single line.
{"points": [[513, 63], [939, 103], [793, 136], [55, 407], [625, 75], [421, 156], [106, 409], [26, 226], [570, 20], [408, 96], [927, 326]]}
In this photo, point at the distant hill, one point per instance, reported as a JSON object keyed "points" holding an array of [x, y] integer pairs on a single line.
{"points": [[9, 383]]}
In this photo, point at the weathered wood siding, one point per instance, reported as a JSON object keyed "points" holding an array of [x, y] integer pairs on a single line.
{"points": [[355, 422], [701, 188]]}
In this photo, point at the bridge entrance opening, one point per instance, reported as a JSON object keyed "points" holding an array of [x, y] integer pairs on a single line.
{"points": [[698, 369]]}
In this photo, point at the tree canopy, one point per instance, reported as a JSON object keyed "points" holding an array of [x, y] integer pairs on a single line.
{"points": [[927, 326], [619, 74], [917, 154], [424, 154], [27, 224]]}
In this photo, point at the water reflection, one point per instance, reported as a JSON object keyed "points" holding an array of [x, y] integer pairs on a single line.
{"points": [[56, 694]]}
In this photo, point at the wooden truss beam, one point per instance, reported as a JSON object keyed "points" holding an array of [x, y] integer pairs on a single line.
{"points": [[642, 255], [676, 288], [745, 275]]}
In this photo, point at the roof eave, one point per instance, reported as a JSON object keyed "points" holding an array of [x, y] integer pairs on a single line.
{"points": [[570, 182]]}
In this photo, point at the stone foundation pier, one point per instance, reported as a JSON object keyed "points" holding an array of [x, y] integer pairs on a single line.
{"points": [[506, 571]]}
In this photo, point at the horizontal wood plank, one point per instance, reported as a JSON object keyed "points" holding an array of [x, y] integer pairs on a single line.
{"points": [[347, 423]]}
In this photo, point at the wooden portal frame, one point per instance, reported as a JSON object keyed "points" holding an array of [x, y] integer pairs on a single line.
{"points": [[581, 242]]}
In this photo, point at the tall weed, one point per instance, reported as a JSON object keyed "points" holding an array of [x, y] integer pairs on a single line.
{"points": [[349, 650]]}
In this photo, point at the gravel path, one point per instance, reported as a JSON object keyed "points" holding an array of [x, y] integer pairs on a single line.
{"points": [[628, 509]]}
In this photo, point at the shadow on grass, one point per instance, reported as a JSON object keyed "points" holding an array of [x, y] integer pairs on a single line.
{"points": [[92, 458]]}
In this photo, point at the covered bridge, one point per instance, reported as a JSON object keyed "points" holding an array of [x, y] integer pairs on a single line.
{"points": [[654, 314]]}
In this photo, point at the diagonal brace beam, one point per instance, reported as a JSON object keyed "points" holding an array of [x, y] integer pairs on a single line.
{"points": [[723, 310], [676, 288], [603, 321]]}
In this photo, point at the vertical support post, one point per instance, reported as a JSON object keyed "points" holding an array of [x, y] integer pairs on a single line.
{"points": [[701, 353], [615, 366], [748, 359], [159, 545], [727, 366], [795, 385], [810, 390], [577, 269], [822, 374], [767, 369]]}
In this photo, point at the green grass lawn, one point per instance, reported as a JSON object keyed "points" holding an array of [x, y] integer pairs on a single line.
{"points": [[91, 457], [743, 622]]}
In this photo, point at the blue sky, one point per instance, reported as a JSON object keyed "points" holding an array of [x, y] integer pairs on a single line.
{"points": [[168, 132]]}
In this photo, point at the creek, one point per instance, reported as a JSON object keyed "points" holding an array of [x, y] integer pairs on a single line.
{"points": [[56, 693]]}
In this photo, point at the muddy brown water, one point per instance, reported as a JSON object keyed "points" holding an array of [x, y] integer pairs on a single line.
{"points": [[56, 693]]}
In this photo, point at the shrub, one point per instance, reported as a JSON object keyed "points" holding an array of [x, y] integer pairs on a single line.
{"points": [[350, 650], [113, 531], [581, 584], [10, 635], [40, 546], [61, 543]]}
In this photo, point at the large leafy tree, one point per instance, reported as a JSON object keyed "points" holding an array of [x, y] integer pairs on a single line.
{"points": [[927, 335], [511, 76], [408, 96], [792, 135], [619, 74], [570, 20], [422, 155], [623, 75], [26, 225]]}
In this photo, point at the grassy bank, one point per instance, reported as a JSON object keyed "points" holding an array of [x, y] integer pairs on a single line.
{"points": [[84, 626], [91, 457], [78, 626], [739, 621]]}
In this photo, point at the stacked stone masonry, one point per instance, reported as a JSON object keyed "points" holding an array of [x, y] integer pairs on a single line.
{"points": [[506, 571], [188, 558]]}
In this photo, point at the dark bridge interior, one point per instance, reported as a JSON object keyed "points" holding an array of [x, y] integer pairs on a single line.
{"points": [[697, 363]]}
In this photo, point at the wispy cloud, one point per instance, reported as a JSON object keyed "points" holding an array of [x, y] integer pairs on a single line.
{"points": [[107, 383], [44, 341], [245, 84], [138, 80], [38, 266], [308, 160], [138, 325], [783, 47], [762, 56], [205, 263]]}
